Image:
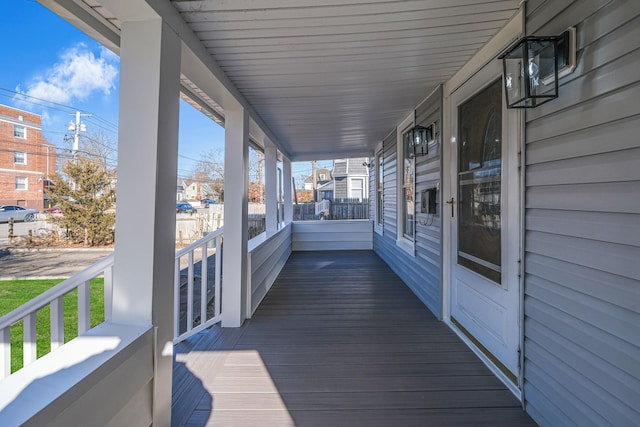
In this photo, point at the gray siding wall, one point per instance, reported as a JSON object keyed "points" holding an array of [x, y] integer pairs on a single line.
{"points": [[582, 242], [422, 273], [340, 188]]}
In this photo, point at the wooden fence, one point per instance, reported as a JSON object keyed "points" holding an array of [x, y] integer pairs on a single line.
{"points": [[338, 209]]}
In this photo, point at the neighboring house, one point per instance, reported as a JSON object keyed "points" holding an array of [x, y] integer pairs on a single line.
{"points": [[322, 177], [325, 191], [350, 179], [27, 160], [180, 192], [192, 190]]}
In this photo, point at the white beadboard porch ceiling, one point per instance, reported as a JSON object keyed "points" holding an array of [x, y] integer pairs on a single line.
{"points": [[332, 78]]}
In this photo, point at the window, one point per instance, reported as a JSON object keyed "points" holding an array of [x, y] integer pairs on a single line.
{"points": [[480, 183], [379, 189], [19, 131], [408, 188], [20, 157], [21, 183], [357, 189]]}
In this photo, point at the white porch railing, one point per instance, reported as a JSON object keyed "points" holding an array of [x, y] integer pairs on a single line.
{"points": [[186, 296], [54, 298], [186, 321]]}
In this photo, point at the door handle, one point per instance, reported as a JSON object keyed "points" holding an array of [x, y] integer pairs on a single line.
{"points": [[452, 203]]}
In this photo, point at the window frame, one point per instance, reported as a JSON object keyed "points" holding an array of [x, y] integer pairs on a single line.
{"points": [[19, 135], [26, 183], [379, 190], [351, 188], [404, 241], [24, 157]]}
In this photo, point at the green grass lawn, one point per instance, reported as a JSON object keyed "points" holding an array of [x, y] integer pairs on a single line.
{"points": [[14, 293]]}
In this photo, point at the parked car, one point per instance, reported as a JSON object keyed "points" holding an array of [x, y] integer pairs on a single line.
{"points": [[55, 210], [206, 202], [184, 207], [18, 213]]}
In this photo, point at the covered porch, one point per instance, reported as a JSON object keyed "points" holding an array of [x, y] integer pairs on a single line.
{"points": [[338, 340], [321, 338]]}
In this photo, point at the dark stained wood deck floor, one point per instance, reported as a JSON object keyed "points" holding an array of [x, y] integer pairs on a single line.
{"points": [[338, 341]]}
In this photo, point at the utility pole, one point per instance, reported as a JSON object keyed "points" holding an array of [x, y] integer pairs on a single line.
{"points": [[314, 173], [77, 127]]}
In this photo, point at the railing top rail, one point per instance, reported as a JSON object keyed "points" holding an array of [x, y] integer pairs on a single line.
{"points": [[200, 242], [56, 292]]}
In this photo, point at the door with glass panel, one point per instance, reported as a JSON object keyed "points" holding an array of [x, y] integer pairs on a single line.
{"points": [[485, 219]]}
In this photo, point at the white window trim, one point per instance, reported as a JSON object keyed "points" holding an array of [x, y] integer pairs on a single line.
{"points": [[408, 245], [23, 127], [26, 183], [20, 163], [350, 187], [378, 223]]}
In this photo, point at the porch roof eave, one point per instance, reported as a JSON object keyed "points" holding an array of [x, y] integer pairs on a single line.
{"points": [[368, 80]]}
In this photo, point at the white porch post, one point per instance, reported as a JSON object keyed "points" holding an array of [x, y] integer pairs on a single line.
{"points": [[288, 193], [271, 183], [147, 171], [236, 176]]}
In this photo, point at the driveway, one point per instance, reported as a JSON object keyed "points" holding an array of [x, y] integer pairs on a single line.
{"points": [[19, 264]]}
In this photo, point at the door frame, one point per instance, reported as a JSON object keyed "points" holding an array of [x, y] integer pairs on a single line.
{"points": [[512, 31]]}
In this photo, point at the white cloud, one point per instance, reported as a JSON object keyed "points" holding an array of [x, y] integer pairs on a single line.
{"points": [[78, 75]]}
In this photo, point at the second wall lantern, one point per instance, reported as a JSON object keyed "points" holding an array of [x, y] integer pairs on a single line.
{"points": [[418, 138]]}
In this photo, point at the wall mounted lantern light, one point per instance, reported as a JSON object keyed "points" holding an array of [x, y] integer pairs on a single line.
{"points": [[418, 138], [532, 66]]}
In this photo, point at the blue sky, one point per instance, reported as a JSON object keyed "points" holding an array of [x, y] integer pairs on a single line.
{"points": [[48, 59], [53, 69]]}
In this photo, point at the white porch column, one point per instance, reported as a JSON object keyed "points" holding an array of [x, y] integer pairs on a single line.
{"points": [[271, 184], [147, 171], [288, 193], [236, 177]]}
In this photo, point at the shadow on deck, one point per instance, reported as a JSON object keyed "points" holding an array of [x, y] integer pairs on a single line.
{"points": [[339, 340]]}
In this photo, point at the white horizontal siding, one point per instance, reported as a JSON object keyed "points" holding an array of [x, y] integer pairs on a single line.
{"points": [[106, 370], [332, 235], [582, 244], [265, 263]]}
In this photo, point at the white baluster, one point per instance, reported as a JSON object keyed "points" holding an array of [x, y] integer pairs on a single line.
{"points": [[108, 293], [176, 299], [57, 322], [218, 275], [190, 291], [5, 352], [84, 307], [203, 285], [29, 343]]}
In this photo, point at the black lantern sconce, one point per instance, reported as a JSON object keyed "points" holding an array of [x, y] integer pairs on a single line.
{"points": [[532, 66], [418, 138]]}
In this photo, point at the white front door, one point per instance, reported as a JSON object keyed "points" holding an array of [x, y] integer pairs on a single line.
{"points": [[484, 293]]}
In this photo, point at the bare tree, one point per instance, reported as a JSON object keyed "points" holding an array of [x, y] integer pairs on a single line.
{"points": [[209, 172], [100, 147]]}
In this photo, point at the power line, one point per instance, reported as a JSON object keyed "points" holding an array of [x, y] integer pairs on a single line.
{"points": [[63, 108]]}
